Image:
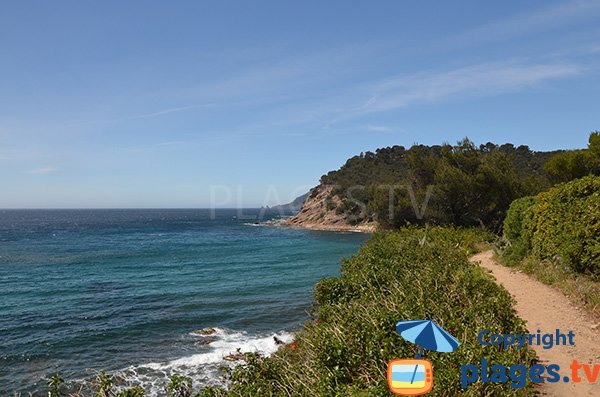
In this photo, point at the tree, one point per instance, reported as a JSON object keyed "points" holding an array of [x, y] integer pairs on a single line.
{"points": [[575, 164]]}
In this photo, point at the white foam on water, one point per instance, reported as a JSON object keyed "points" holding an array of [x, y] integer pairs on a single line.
{"points": [[203, 367]]}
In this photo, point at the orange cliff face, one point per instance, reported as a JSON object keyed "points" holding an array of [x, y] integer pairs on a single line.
{"points": [[315, 215]]}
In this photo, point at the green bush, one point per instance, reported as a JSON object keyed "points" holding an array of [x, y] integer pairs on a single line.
{"points": [[567, 223], [55, 385], [515, 234], [562, 224], [572, 164], [330, 204], [132, 392], [179, 386], [104, 385]]}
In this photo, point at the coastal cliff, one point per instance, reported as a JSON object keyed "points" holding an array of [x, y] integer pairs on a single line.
{"points": [[319, 212]]}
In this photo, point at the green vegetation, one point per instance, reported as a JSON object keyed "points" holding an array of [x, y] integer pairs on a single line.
{"points": [[573, 164], [179, 386], [54, 385], [463, 185], [133, 392], [105, 385], [555, 236], [330, 204], [515, 228], [562, 224]]}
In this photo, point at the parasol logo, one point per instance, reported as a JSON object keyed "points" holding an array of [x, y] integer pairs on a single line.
{"points": [[413, 377]]}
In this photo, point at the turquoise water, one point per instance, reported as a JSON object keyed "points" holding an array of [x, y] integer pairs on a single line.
{"points": [[123, 290]]}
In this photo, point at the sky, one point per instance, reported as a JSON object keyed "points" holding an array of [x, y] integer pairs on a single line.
{"points": [[156, 104]]}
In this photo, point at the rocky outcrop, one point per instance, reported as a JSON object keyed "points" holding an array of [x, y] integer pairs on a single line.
{"points": [[319, 213]]}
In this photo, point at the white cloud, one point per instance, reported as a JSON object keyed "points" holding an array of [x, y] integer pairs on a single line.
{"points": [[540, 20], [377, 128], [147, 115], [269, 80], [44, 170], [480, 80]]}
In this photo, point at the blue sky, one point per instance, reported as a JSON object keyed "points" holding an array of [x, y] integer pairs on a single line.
{"points": [[184, 104]]}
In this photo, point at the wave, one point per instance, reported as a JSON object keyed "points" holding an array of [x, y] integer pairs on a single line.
{"points": [[204, 368], [270, 222]]}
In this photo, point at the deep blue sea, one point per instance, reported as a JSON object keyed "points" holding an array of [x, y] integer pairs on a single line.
{"points": [[124, 290]]}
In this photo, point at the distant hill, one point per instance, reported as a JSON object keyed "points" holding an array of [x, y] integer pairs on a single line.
{"points": [[292, 207], [462, 184]]}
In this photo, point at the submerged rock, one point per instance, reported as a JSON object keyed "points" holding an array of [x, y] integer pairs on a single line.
{"points": [[205, 331]]}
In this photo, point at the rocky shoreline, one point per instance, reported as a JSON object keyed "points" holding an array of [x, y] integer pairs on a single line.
{"points": [[315, 214], [366, 228]]}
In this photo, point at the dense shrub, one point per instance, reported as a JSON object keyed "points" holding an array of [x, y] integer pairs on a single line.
{"points": [[514, 230], [561, 224], [410, 274]]}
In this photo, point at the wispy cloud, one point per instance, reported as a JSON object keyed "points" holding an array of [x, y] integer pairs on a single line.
{"points": [[480, 80], [400, 91], [153, 147], [148, 115], [271, 80], [167, 111], [535, 21], [377, 128], [43, 170]]}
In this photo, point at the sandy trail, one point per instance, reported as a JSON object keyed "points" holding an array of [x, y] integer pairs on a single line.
{"points": [[548, 309]]}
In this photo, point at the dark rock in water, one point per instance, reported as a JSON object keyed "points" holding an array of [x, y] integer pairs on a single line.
{"points": [[235, 357], [278, 341], [205, 331]]}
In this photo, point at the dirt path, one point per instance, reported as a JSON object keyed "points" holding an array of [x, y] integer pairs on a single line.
{"points": [[548, 309]]}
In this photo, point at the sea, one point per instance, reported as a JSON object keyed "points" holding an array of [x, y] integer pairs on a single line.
{"points": [[126, 291]]}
